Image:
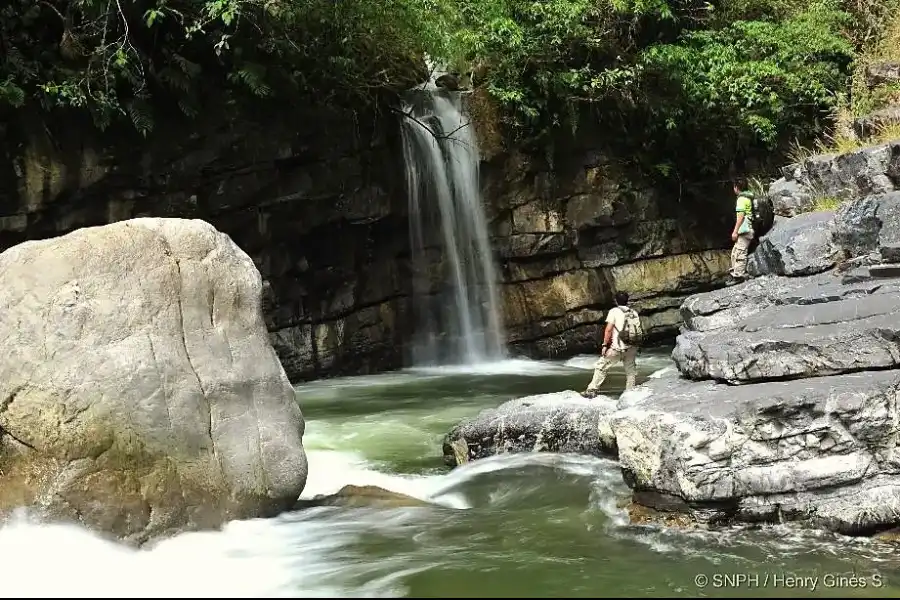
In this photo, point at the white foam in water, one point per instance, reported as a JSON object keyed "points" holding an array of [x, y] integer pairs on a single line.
{"points": [[329, 471], [514, 366], [247, 559], [582, 361], [295, 555]]}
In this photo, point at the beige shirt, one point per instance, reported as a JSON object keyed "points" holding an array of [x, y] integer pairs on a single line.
{"points": [[616, 316]]}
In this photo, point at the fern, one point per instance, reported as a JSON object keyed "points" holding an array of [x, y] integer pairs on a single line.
{"points": [[187, 108], [253, 76], [141, 115], [174, 79]]}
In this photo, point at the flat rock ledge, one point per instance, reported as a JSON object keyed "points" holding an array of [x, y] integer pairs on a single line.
{"points": [[821, 451]]}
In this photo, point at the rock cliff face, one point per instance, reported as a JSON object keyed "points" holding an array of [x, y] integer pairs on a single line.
{"points": [[315, 198], [570, 236], [318, 200]]}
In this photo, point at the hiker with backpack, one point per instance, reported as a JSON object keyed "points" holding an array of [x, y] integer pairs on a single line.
{"points": [[621, 338], [741, 235], [754, 218]]}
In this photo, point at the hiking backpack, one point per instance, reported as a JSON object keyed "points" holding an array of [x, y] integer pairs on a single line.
{"points": [[632, 333], [762, 215]]}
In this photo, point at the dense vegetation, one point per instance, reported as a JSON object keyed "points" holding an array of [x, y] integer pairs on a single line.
{"points": [[685, 85]]}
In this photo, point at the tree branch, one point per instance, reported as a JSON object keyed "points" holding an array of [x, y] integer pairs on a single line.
{"points": [[436, 135]]}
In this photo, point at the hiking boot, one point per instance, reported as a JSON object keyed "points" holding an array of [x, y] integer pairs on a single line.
{"points": [[589, 394], [732, 280]]}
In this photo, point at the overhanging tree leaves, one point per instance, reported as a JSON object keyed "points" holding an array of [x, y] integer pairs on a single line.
{"points": [[684, 85]]}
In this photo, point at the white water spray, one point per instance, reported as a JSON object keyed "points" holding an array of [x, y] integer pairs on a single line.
{"points": [[460, 324]]}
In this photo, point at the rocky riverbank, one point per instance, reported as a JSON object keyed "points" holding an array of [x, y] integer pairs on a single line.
{"points": [[784, 403]]}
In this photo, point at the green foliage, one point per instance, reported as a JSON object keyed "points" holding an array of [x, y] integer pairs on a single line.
{"points": [[135, 59], [751, 82], [683, 86], [670, 75], [543, 57]]}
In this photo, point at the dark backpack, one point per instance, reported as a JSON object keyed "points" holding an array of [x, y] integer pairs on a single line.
{"points": [[632, 333], [762, 216]]}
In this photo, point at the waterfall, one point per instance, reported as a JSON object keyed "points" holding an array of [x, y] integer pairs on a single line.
{"points": [[455, 280]]}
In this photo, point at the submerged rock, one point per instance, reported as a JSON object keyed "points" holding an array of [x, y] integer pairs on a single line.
{"points": [[822, 450], [560, 422], [639, 514], [139, 392], [362, 496]]}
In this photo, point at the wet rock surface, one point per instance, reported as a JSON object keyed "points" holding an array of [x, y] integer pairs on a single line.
{"points": [[560, 422], [362, 496]]}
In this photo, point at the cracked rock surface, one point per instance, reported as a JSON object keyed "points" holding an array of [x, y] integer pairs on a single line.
{"points": [[820, 450], [784, 402], [139, 392]]}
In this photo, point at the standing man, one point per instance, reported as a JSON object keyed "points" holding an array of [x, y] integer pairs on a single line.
{"points": [[741, 235], [621, 338]]}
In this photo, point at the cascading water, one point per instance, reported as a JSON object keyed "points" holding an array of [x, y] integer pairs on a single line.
{"points": [[458, 320]]}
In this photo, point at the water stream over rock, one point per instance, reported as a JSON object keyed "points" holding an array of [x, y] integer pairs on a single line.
{"points": [[460, 324]]}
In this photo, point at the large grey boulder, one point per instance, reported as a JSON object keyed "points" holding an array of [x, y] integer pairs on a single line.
{"points": [[810, 330], [819, 450], [845, 177], [559, 422], [798, 246], [870, 225], [139, 392], [790, 197]]}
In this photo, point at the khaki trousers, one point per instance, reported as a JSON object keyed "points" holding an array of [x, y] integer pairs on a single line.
{"points": [[739, 255], [628, 358]]}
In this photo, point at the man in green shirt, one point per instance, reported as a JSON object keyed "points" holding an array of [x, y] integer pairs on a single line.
{"points": [[741, 235]]}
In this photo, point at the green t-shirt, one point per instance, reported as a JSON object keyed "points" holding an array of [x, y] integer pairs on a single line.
{"points": [[745, 205]]}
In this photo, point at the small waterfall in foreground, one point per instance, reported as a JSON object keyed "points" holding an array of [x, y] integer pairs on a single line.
{"points": [[455, 280]]}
